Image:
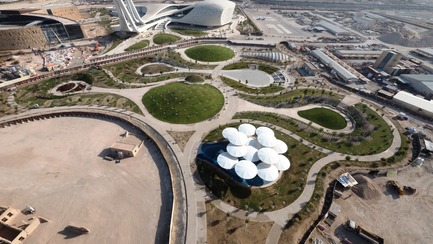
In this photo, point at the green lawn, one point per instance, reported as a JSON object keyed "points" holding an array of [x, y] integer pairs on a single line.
{"points": [[138, 45], [165, 39], [156, 69], [360, 142], [181, 103], [210, 53], [291, 96], [242, 87], [286, 190], [324, 117], [194, 78], [269, 69], [189, 32]]}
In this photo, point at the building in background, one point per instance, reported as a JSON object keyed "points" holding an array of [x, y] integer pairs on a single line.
{"points": [[421, 84], [387, 60]]}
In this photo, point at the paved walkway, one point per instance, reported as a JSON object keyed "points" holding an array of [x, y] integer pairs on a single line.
{"points": [[197, 194]]}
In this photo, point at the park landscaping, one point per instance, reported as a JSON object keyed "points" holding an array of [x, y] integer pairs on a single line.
{"points": [[269, 69], [282, 193], [156, 69], [165, 39], [194, 79], [244, 88], [210, 53], [324, 117], [139, 45], [189, 32], [181, 103], [371, 135]]}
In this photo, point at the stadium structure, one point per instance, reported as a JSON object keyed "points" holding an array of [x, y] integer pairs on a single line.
{"points": [[208, 13], [36, 28]]}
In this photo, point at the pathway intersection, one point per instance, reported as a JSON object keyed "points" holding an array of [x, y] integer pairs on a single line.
{"points": [[198, 195]]}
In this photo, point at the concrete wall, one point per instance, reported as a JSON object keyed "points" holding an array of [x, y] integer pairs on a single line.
{"points": [[22, 38]]}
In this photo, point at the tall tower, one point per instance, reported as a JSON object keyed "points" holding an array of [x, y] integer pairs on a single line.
{"points": [[387, 60], [129, 18]]}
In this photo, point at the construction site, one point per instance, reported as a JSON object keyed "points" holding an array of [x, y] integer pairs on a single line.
{"points": [[393, 207]]}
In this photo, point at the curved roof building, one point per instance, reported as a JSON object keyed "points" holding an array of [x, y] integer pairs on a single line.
{"points": [[209, 13]]}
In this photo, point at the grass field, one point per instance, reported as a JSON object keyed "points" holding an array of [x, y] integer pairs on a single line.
{"points": [[290, 96], [165, 39], [324, 117], [241, 87], [181, 103], [138, 45], [210, 53], [194, 78], [378, 139], [189, 32], [286, 190], [156, 69], [269, 69]]}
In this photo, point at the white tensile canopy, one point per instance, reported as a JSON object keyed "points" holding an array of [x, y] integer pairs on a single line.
{"points": [[280, 147], [251, 154], [268, 155], [283, 164], [247, 129], [229, 131], [226, 161], [246, 169], [264, 130], [236, 151], [267, 140], [254, 143], [238, 139], [267, 172]]}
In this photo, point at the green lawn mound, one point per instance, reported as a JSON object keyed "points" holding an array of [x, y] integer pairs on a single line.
{"points": [[139, 45], [181, 103], [165, 38], [210, 53], [194, 78], [156, 69], [324, 117]]}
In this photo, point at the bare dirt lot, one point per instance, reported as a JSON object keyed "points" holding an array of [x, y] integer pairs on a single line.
{"points": [[56, 167], [379, 208]]}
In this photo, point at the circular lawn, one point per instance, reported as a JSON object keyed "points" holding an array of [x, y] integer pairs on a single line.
{"points": [[181, 103], [324, 117], [165, 39], [210, 53]]}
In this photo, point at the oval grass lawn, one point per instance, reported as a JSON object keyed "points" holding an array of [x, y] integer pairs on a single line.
{"points": [[324, 117], [210, 53], [181, 103], [165, 38]]}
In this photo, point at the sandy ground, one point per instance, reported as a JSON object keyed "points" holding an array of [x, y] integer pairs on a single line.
{"points": [[56, 166], [397, 219], [224, 229]]}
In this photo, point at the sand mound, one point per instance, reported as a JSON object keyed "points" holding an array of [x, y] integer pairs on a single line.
{"points": [[398, 39], [366, 188]]}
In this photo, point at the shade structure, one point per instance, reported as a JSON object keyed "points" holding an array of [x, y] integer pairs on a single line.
{"points": [[246, 169], [264, 130], [251, 154], [267, 140], [280, 147], [268, 155], [226, 161], [238, 139], [236, 151], [247, 129], [267, 172], [283, 164], [254, 143], [229, 131]]}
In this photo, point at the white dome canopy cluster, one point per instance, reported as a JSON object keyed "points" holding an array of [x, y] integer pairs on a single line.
{"points": [[253, 152]]}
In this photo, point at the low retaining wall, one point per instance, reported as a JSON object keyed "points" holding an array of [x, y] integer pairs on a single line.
{"points": [[179, 216]]}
